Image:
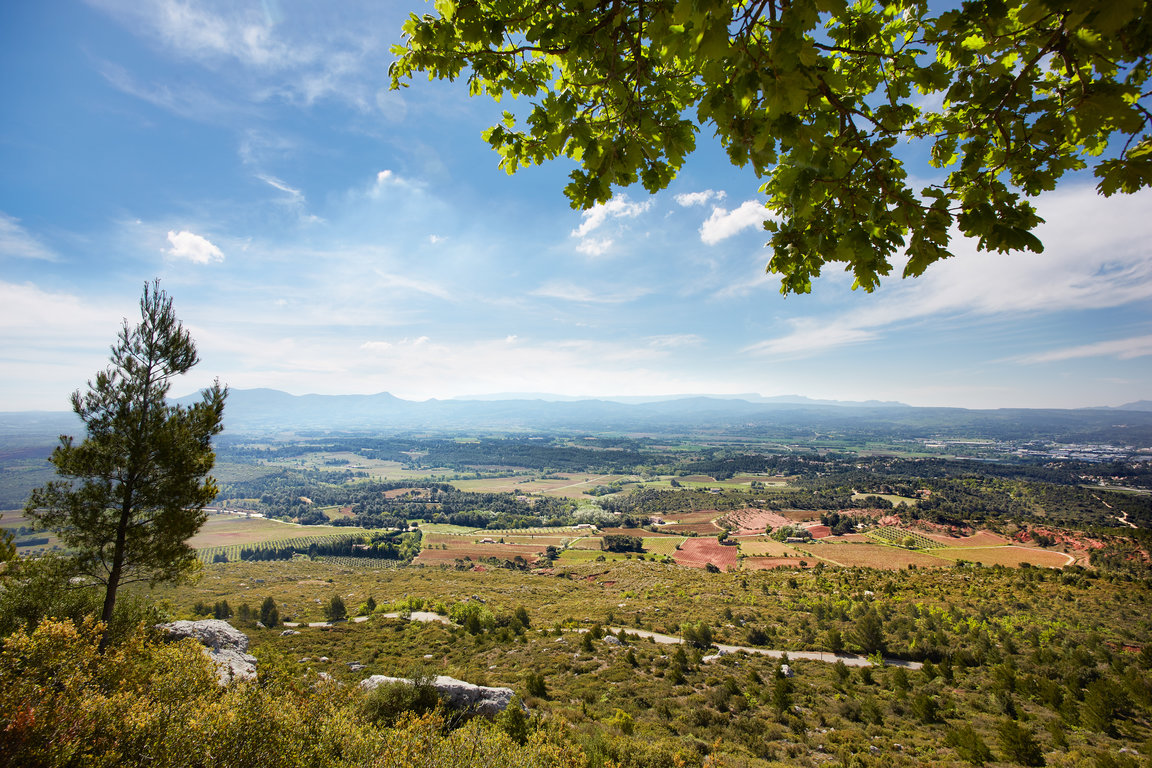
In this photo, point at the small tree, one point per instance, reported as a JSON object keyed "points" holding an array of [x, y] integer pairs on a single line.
{"points": [[335, 610], [7, 546], [535, 685], [134, 490], [1017, 744], [269, 615]]}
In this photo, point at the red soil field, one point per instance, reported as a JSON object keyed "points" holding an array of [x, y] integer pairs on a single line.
{"points": [[695, 553], [751, 521], [819, 531], [799, 515]]}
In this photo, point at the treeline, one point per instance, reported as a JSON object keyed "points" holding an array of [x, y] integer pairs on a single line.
{"points": [[392, 504], [391, 546], [546, 454]]}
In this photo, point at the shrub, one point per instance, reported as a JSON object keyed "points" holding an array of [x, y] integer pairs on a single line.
{"points": [[385, 704], [535, 686], [1017, 744], [335, 610], [968, 745], [269, 615]]}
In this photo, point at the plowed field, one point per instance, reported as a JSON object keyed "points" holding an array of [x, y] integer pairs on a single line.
{"points": [[696, 553]]}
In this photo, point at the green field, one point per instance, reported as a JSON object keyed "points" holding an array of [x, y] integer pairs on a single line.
{"points": [[228, 530]]}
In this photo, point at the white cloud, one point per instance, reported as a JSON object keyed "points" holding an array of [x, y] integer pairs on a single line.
{"points": [[1122, 349], [436, 239], [16, 241], [723, 224], [619, 207], [699, 198], [1096, 257], [51, 342], [386, 179], [192, 247], [590, 246]]}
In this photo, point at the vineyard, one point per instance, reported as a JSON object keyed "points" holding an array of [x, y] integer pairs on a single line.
{"points": [[896, 537], [301, 544]]}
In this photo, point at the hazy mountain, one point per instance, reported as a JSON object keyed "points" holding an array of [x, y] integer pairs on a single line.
{"points": [[271, 412], [643, 399]]}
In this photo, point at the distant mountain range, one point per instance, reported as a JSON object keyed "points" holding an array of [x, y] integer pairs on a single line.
{"points": [[638, 399], [271, 412]]}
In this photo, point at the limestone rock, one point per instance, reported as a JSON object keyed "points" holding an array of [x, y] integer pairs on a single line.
{"points": [[224, 644], [460, 695]]}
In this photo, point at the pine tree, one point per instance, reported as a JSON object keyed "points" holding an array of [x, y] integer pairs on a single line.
{"points": [[133, 491], [269, 615]]}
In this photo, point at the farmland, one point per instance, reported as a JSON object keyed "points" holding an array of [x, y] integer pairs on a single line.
{"points": [[225, 530], [942, 583]]}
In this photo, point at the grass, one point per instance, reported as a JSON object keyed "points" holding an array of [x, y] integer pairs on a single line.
{"points": [[764, 547], [891, 498], [662, 545]]}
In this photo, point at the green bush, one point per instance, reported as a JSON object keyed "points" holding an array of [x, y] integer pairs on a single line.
{"points": [[385, 704], [335, 610]]}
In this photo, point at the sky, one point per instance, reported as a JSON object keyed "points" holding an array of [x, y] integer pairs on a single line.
{"points": [[321, 234]]}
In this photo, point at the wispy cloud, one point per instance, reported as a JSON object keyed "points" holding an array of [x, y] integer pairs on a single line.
{"points": [[294, 198], [568, 291], [723, 224], [187, 101], [16, 241], [675, 341], [403, 283], [299, 57], [387, 179], [189, 246], [294, 195], [1122, 349], [810, 338], [688, 199], [1107, 265]]}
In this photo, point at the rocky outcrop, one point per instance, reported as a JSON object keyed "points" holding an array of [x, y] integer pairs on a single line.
{"points": [[457, 694], [224, 644]]}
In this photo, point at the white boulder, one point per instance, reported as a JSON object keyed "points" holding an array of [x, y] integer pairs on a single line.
{"points": [[224, 644]]}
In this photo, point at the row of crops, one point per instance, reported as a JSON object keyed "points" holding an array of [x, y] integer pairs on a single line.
{"points": [[894, 536], [231, 552]]}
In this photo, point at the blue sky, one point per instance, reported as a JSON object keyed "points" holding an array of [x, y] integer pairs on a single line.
{"points": [[321, 234]]}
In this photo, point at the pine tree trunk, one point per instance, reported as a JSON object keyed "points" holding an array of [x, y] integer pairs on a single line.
{"points": [[117, 567]]}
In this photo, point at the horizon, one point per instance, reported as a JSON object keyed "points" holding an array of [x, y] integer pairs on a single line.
{"points": [[759, 399], [321, 234]]}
